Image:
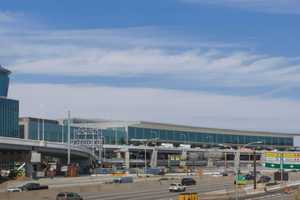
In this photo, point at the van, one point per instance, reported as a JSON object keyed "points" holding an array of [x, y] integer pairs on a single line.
{"points": [[188, 181], [125, 179]]}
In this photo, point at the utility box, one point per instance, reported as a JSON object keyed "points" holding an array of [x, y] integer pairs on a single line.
{"points": [[277, 176]]}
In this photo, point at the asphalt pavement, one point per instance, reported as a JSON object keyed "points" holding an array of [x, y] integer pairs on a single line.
{"points": [[160, 191], [277, 196]]}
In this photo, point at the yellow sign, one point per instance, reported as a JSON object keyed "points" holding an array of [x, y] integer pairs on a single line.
{"points": [[288, 157], [285, 155]]}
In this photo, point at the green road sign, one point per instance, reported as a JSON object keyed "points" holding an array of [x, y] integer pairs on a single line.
{"points": [[285, 166]]}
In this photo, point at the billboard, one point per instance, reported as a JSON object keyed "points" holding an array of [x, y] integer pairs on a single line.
{"points": [[285, 160]]}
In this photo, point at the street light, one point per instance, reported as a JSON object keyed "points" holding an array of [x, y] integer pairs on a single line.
{"points": [[69, 137], [237, 164]]}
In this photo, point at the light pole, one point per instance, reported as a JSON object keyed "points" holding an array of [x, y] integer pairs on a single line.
{"points": [[69, 138], [237, 165]]}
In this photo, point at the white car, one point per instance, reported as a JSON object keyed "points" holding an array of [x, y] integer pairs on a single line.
{"points": [[176, 187], [15, 189]]}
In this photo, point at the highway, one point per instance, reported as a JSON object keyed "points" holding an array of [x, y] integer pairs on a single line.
{"points": [[159, 191], [276, 196]]}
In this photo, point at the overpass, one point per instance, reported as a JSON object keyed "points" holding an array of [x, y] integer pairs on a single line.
{"points": [[11, 144], [124, 152]]}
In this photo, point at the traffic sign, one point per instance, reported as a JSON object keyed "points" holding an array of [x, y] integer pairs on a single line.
{"points": [[284, 160]]}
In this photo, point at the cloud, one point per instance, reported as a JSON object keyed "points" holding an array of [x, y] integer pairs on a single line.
{"points": [[141, 52], [7, 17], [268, 6], [171, 106], [236, 68], [147, 52]]}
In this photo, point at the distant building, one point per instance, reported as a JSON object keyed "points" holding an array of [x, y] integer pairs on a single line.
{"points": [[9, 108], [4, 81]]}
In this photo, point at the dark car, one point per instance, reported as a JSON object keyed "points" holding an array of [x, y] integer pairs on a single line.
{"points": [[188, 181], [28, 187], [125, 179], [34, 186], [264, 179], [68, 196], [224, 174], [249, 176]]}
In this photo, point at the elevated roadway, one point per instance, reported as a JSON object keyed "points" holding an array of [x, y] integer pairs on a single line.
{"points": [[8, 143]]}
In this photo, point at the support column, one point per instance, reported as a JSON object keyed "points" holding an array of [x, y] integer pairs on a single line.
{"points": [[153, 162], [119, 156], [183, 158], [210, 162], [237, 161], [127, 159]]}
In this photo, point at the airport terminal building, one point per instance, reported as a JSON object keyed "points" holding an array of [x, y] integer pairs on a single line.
{"points": [[124, 133], [139, 143]]}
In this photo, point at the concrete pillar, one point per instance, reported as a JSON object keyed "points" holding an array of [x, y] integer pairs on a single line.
{"points": [[153, 162], [127, 159], [119, 156], [183, 158], [210, 162], [237, 161]]}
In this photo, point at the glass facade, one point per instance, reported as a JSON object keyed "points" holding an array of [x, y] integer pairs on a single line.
{"points": [[44, 129], [114, 135], [55, 132], [4, 80], [173, 136], [9, 118]]}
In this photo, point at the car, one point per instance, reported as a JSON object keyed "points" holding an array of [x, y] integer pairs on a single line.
{"points": [[188, 181], [249, 176], [176, 187], [15, 189], [125, 179], [28, 187], [68, 196], [224, 174], [264, 179]]}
